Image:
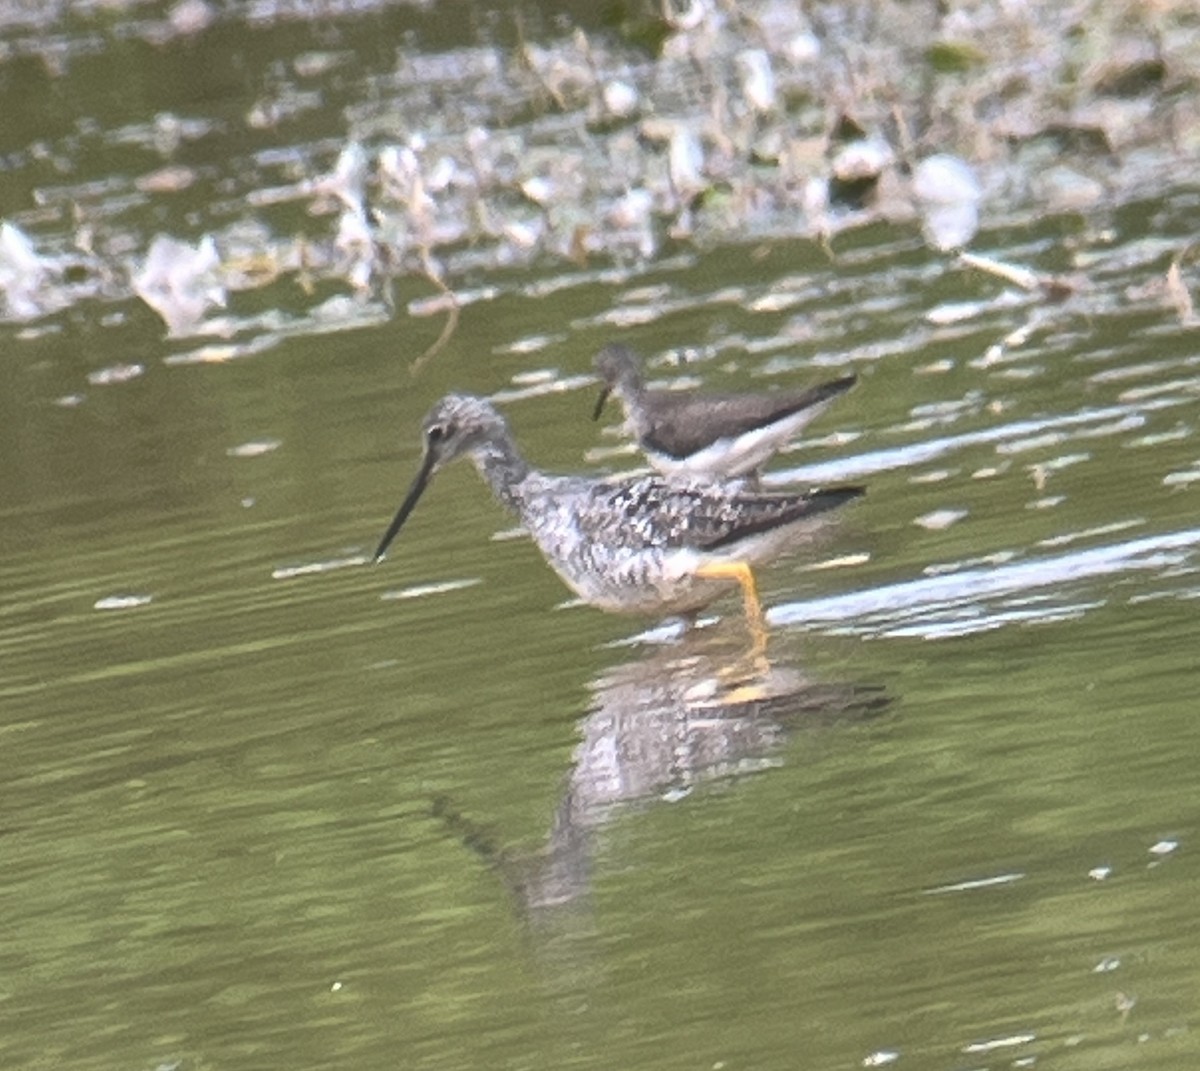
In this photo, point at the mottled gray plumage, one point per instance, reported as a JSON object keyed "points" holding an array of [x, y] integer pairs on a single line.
{"points": [[716, 435], [625, 543]]}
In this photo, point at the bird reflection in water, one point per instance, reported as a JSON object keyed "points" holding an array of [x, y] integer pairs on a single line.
{"points": [[658, 727]]}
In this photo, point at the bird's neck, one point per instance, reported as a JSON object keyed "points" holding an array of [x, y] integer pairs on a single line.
{"points": [[502, 466], [629, 393], [629, 386]]}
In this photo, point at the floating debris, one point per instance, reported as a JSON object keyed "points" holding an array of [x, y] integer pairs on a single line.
{"points": [[355, 246], [1016, 274], [685, 163], [1178, 291], [348, 180], [862, 160], [758, 79], [1100, 873], [1065, 189], [949, 195], [720, 130], [1124, 1004], [1052, 286], [25, 275], [620, 99], [180, 282]]}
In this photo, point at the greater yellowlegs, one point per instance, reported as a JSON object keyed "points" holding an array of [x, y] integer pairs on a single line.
{"points": [[713, 435], [630, 544]]}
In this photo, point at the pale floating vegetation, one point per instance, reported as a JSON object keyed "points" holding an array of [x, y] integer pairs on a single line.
{"points": [[1177, 288], [35, 283], [949, 194], [589, 155], [180, 282], [23, 274]]}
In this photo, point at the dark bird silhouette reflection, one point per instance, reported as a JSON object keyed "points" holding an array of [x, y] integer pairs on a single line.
{"points": [[658, 727]]}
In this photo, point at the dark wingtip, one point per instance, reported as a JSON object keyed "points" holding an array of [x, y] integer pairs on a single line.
{"points": [[795, 508], [838, 386], [832, 497]]}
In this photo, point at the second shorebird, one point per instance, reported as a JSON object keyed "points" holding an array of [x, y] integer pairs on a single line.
{"points": [[719, 436], [632, 544]]}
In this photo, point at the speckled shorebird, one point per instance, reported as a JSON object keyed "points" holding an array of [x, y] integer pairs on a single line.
{"points": [[631, 544], [714, 435]]}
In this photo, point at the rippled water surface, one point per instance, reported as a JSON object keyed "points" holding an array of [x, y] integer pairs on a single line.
{"points": [[266, 806]]}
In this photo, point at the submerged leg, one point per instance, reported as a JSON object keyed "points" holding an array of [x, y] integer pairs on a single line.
{"points": [[755, 620]]}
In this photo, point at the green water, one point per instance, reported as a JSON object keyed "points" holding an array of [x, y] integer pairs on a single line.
{"points": [[269, 814]]}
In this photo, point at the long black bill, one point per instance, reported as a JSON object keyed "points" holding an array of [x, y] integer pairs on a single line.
{"points": [[604, 392], [406, 507]]}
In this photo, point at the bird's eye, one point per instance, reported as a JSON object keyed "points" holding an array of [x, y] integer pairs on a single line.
{"points": [[436, 434]]}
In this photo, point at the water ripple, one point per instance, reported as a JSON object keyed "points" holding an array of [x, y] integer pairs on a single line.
{"points": [[955, 604]]}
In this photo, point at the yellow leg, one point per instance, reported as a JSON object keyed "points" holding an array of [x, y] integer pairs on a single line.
{"points": [[755, 620]]}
